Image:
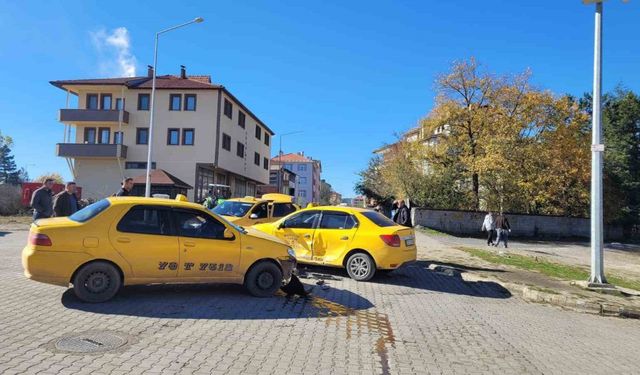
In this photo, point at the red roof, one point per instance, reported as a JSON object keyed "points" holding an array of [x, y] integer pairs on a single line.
{"points": [[295, 158], [161, 177]]}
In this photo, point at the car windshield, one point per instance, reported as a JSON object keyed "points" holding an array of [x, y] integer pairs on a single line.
{"points": [[233, 208], [378, 219], [90, 211]]}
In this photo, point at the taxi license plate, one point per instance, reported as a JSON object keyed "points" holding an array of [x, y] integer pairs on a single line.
{"points": [[409, 242]]}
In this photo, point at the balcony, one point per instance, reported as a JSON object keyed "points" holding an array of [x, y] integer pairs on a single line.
{"points": [[90, 150], [88, 116]]}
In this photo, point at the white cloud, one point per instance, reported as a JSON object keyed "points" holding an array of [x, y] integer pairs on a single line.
{"points": [[114, 52]]}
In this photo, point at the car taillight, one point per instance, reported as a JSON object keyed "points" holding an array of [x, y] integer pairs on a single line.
{"points": [[39, 239], [392, 240]]}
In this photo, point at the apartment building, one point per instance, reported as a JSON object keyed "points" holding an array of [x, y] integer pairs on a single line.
{"points": [[202, 134], [416, 134], [307, 172]]}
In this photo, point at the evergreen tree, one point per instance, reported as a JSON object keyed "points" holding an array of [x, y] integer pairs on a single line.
{"points": [[9, 173]]}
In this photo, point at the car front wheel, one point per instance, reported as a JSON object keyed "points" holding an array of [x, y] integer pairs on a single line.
{"points": [[264, 279], [360, 267], [96, 282]]}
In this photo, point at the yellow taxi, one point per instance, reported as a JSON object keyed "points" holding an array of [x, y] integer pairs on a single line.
{"points": [[249, 211], [132, 240], [360, 240]]}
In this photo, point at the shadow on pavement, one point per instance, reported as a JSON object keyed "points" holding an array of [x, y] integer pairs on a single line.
{"points": [[459, 267], [3, 233], [213, 301]]}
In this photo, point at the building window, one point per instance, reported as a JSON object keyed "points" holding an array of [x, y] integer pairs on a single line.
{"points": [[138, 165], [142, 136], [241, 119], [302, 193], [256, 159], [266, 138], [104, 135], [228, 109], [188, 137], [175, 102], [143, 102], [302, 167], [173, 137], [265, 163], [240, 150], [92, 101], [190, 102], [89, 135], [117, 138], [258, 132], [120, 104], [226, 142], [105, 102], [302, 180]]}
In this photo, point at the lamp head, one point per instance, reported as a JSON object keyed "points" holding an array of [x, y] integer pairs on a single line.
{"points": [[198, 20]]}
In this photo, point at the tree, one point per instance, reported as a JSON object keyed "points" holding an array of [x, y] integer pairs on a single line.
{"points": [[372, 184], [325, 192], [9, 173], [55, 176]]}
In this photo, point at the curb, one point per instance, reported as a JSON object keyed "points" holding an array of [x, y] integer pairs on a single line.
{"points": [[565, 301]]}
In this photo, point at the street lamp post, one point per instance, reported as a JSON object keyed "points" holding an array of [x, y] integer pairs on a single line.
{"points": [[280, 157], [147, 190]]}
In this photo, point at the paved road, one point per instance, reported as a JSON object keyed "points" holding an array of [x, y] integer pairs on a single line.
{"points": [[414, 322]]}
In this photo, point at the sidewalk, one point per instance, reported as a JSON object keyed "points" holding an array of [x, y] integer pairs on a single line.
{"points": [[444, 253]]}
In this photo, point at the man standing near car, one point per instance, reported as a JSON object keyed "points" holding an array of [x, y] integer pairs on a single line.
{"points": [[125, 189], [65, 203], [41, 201], [403, 215]]}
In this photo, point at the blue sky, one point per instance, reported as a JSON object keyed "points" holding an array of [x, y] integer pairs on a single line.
{"points": [[349, 74]]}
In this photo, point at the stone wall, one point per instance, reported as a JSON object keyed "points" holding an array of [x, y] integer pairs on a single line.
{"points": [[469, 223]]}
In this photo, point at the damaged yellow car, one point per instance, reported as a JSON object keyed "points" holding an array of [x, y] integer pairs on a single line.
{"points": [[249, 211], [131, 240], [360, 240]]}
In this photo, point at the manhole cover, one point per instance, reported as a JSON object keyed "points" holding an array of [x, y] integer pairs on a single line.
{"points": [[91, 342]]}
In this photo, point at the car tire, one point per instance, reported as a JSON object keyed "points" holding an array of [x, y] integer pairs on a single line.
{"points": [[360, 267], [263, 280], [96, 282]]}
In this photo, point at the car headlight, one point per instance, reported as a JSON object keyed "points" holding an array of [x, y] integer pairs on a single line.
{"points": [[291, 252]]}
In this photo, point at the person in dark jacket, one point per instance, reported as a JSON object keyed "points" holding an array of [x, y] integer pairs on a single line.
{"points": [[125, 188], [65, 203], [403, 215], [503, 228], [42, 202]]}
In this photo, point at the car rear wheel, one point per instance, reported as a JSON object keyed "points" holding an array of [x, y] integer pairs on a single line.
{"points": [[360, 267], [264, 279], [96, 282]]}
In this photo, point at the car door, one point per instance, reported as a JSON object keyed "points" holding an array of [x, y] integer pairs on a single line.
{"points": [[259, 214], [333, 236], [204, 251], [280, 210], [144, 237], [298, 230]]}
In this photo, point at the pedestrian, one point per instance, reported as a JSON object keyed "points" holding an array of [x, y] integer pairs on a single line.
{"points": [[210, 201], [503, 228], [394, 209], [42, 200], [403, 215], [489, 225], [125, 188], [65, 203]]}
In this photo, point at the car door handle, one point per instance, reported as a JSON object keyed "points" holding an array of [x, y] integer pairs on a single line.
{"points": [[307, 236], [123, 239], [189, 244], [344, 238]]}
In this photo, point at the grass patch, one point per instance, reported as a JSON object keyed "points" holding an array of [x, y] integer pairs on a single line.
{"points": [[561, 271], [16, 219], [433, 232]]}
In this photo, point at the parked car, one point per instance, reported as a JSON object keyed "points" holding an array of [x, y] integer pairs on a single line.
{"points": [[360, 240], [133, 240], [249, 211]]}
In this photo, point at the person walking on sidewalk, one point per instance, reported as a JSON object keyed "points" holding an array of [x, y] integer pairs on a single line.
{"points": [[42, 201], [503, 228], [66, 203], [489, 226]]}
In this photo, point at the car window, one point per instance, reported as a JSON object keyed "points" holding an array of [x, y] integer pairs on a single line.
{"points": [[378, 219], [146, 220], [306, 219], [198, 225], [336, 220], [233, 208], [90, 211], [261, 210], [283, 209]]}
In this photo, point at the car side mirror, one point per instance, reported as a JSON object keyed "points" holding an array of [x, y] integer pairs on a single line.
{"points": [[253, 216], [228, 234], [281, 225]]}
